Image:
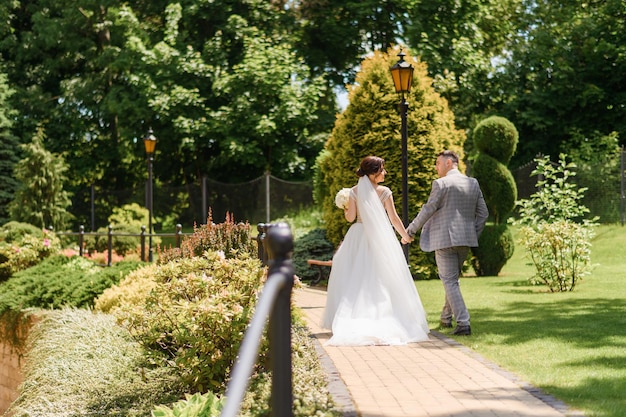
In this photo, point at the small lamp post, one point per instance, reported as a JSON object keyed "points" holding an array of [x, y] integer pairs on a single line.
{"points": [[402, 74], [149, 141]]}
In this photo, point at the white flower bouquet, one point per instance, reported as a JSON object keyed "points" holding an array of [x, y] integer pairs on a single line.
{"points": [[342, 198]]}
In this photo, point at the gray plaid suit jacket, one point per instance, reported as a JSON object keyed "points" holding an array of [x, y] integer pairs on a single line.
{"points": [[454, 215]]}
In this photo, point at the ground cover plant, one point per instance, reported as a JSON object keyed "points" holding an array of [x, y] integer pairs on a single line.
{"points": [[569, 344], [55, 282]]}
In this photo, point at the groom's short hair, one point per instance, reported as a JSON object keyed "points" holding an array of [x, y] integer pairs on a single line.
{"points": [[450, 155]]}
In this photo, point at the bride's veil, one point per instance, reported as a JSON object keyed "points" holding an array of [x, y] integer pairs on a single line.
{"points": [[381, 238], [377, 226]]}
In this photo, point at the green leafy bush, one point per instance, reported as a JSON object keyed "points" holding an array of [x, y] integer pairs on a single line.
{"points": [[496, 140], [560, 253], [312, 245], [194, 317], [196, 405], [125, 220], [60, 281], [556, 235]]}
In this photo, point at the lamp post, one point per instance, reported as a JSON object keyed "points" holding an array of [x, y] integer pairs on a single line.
{"points": [[149, 141], [402, 74]]}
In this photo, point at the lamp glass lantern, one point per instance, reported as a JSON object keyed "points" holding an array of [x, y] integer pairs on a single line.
{"points": [[149, 141], [402, 74]]}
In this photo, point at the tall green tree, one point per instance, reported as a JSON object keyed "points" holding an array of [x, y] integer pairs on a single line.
{"points": [[370, 125], [41, 200], [564, 77], [335, 35], [461, 41], [9, 148]]}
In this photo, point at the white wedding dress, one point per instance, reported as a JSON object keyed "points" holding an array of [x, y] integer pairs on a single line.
{"points": [[371, 297]]}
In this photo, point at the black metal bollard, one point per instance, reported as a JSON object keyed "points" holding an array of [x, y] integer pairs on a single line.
{"points": [[81, 240], [275, 304], [279, 247], [260, 241], [142, 239], [110, 248]]}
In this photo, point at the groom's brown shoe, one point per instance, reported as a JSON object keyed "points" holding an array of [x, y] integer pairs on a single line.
{"points": [[462, 331], [445, 324]]}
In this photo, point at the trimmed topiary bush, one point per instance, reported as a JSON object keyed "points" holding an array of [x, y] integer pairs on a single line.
{"points": [[496, 140], [495, 248]]}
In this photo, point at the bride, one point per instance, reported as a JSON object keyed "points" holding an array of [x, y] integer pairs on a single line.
{"points": [[371, 298]]}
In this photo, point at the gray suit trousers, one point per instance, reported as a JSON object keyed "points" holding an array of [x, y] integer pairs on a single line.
{"points": [[450, 263]]}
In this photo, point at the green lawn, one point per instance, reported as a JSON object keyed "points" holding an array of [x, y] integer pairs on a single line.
{"points": [[572, 345]]}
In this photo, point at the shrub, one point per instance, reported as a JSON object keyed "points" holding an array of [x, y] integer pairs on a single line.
{"points": [[22, 246], [229, 237], [496, 140], [312, 245], [125, 220], [60, 281], [196, 405], [195, 316], [556, 236], [560, 253]]}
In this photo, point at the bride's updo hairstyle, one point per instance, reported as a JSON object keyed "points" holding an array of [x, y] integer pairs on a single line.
{"points": [[370, 165]]}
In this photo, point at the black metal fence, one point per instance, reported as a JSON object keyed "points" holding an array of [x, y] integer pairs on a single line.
{"points": [[81, 234], [256, 201]]}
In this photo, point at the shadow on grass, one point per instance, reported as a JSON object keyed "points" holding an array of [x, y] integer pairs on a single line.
{"points": [[594, 325]]}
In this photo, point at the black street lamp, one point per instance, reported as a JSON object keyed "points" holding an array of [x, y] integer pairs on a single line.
{"points": [[402, 74], [149, 141]]}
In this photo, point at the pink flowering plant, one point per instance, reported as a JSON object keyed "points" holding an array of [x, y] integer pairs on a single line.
{"points": [[23, 246]]}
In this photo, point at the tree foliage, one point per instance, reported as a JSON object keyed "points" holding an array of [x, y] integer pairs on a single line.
{"points": [[563, 78], [218, 82], [460, 40], [41, 200], [9, 148], [371, 126]]}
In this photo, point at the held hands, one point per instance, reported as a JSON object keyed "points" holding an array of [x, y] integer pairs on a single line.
{"points": [[405, 241]]}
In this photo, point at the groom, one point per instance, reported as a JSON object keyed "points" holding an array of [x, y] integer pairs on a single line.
{"points": [[452, 219]]}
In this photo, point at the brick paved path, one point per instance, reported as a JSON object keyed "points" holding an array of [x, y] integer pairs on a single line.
{"points": [[435, 378]]}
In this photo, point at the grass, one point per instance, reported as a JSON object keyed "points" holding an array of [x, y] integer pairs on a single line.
{"points": [[571, 345]]}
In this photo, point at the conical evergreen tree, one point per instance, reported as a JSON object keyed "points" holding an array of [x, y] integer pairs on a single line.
{"points": [[370, 125], [9, 146], [41, 199]]}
